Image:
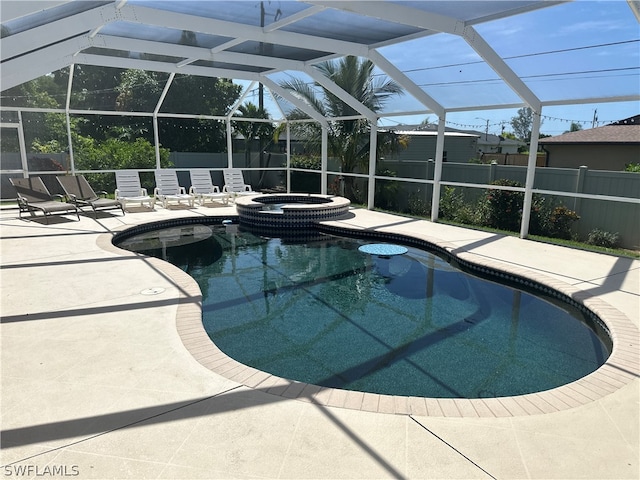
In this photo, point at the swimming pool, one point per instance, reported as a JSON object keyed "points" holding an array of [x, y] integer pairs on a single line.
{"points": [[321, 312]]}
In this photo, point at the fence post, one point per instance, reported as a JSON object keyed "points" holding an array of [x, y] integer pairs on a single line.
{"points": [[493, 168], [582, 173], [431, 168]]}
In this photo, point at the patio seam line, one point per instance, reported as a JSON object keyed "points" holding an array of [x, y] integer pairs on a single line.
{"points": [[121, 427], [442, 440], [564, 397]]}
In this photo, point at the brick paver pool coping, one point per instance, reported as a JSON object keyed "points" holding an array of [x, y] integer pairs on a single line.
{"points": [[622, 366]]}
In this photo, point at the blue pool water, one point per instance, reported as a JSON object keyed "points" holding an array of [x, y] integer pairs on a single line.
{"points": [[325, 313]]}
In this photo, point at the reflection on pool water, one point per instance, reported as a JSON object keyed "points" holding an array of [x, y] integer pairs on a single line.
{"points": [[323, 312]]}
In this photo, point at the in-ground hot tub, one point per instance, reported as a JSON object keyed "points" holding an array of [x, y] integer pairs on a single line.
{"points": [[290, 210]]}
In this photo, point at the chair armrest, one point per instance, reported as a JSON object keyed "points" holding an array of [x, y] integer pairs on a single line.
{"points": [[216, 189], [103, 193], [143, 192], [58, 196], [182, 191]]}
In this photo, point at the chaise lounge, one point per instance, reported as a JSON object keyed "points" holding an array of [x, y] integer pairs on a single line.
{"points": [[169, 190], [204, 189], [234, 184], [129, 190], [80, 193], [33, 196]]}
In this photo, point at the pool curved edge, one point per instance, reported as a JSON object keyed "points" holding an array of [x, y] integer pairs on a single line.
{"points": [[620, 369]]}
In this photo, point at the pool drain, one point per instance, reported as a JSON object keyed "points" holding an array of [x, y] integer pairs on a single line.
{"points": [[152, 291]]}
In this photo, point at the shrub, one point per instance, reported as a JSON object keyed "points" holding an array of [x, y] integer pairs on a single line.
{"points": [[502, 209], [113, 154], [454, 208], [387, 191], [632, 167], [309, 162], [561, 221], [416, 206], [601, 238]]}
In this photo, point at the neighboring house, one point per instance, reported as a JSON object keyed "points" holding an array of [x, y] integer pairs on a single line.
{"points": [[458, 147], [488, 143], [603, 148]]}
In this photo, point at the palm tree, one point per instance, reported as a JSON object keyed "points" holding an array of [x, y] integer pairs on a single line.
{"points": [[348, 140], [252, 130]]}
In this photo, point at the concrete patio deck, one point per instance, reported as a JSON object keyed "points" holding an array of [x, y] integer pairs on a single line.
{"points": [[98, 380]]}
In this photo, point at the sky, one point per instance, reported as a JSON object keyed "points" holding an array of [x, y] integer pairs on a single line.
{"points": [[550, 40], [583, 49]]}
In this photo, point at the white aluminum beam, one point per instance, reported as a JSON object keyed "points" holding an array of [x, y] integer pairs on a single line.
{"points": [[437, 172], [341, 94], [194, 53], [274, 87], [406, 83], [124, 63], [25, 68], [50, 33], [181, 21], [373, 150], [634, 5], [494, 60], [398, 14], [288, 20], [531, 174], [15, 9], [440, 23]]}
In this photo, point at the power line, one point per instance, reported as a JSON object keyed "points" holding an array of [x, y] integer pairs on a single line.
{"points": [[525, 55]]}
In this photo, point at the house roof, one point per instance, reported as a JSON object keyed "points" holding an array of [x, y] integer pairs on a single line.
{"points": [[431, 133], [607, 134]]}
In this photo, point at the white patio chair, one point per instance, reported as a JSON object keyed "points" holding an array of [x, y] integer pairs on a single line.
{"points": [[129, 190], [234, 183], [169, 190], [203, 188]]}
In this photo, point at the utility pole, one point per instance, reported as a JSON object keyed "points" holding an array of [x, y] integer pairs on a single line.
{"points": [[595, 118], [486, 130]]}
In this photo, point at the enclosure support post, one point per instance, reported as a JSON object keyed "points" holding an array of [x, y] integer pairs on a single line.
{"points": [[373, 149], [531, 174], [324, 160], [72, 163], [581, 174], [23, 147], [437, 173], [288, 147], [156, 134], [229, 144]]}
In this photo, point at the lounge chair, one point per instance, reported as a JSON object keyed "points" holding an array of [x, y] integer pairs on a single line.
{"points": [[234, 183], [34, 196], [203, 188], [80, 193], [169, 190], [129, 190]]}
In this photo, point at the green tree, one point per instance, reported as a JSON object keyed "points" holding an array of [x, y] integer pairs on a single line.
{"points": [[522, 124], [575, 127], [197, 95], [348, 140]]}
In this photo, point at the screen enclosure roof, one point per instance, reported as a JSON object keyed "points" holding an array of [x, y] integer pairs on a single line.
{"points": [[446, 55]]}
